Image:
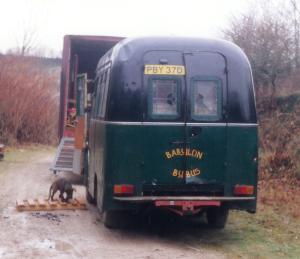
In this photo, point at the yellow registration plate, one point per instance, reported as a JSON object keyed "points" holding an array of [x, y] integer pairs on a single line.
{"points": [[164, 70]]}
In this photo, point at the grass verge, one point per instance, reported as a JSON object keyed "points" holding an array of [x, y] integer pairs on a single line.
{"points": [[270, 233], [22, 153]]}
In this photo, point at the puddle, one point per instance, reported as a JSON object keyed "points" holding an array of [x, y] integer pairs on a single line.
{"points": [[47, 244], [63, 246], [10, 214], [42, 244], [2, 251]]}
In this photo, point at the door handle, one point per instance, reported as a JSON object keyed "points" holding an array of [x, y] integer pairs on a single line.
{"points": [[195, 131], [177, 142]]}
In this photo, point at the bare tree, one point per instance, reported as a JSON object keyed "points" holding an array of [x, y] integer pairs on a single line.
{"points": [[296, 32], [27, 42], [267, 41]]}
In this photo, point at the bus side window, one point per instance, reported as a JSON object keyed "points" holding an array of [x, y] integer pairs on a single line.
{"points": [[163, 98], [103, 95], [98, 96], [94, 98], [206, 99]]}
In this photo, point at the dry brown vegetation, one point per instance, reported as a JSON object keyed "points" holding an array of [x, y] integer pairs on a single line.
{"points": [[279, 169], [269, 34], [28, 101]]}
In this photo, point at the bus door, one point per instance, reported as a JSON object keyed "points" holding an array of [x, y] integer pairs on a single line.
{"points": [[163, 128], [80, 123], [92, 140], [205, 124]]}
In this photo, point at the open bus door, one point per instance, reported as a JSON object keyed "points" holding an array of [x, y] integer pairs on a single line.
{"points": [[81, 122]]}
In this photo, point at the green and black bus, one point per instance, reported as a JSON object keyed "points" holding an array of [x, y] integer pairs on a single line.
{"points": [[173, 126]]}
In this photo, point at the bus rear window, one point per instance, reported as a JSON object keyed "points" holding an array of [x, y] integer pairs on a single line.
{"points": [[163, 100], [206, 99]]}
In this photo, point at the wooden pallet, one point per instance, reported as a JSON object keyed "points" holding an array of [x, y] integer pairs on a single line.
{"points": [[45, 205]]}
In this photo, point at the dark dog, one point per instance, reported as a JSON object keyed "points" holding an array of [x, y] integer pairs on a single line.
{"points": [[63, 186]]}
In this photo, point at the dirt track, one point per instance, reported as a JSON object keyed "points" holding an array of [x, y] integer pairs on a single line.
{"points": [[80, 234]]}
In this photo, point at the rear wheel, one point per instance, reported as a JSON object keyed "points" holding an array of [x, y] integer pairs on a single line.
{"points": [[217, 217], [89, 197], [116, 219]]}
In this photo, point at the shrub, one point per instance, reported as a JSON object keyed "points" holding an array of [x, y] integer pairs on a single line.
{"points": [[28, 101]]}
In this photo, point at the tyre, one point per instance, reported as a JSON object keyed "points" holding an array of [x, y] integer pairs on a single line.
{"points": [[217, 217], [85, 170], [89, 197], [116, 219]]}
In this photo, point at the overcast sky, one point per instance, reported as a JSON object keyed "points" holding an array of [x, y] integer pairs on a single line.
{"points": [[50, 20]]}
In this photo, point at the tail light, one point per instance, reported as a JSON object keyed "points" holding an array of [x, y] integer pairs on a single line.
{"points": [[243, 189], [123, 189]]}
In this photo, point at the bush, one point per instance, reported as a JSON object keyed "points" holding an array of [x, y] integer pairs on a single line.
{"points": [[28, 101]]}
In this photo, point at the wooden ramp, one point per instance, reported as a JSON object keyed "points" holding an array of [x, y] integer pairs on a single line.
{"points": [[45, 205]]}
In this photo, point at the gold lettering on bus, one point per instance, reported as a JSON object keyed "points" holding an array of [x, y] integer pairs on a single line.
{"points": [[187, 173], [184, 152]]}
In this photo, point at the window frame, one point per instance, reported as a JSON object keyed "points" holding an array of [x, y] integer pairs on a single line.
{"points": [[218, 86], [98, 97], [105, 83], [150, 113], [94, 97]]}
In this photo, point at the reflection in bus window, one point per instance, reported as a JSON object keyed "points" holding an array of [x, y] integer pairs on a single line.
{"points": [[102, 94], [205, 100], [94, 96], [164, 98]]}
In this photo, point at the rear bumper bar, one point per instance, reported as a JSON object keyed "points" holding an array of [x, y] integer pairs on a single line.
{"points": [[142, 199]]}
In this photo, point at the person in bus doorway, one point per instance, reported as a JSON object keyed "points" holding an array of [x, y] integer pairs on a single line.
{"points": [[71, 117]]}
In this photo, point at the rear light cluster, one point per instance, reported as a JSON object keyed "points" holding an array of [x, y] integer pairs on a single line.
{"points": [[243, 189], [123, 189]]}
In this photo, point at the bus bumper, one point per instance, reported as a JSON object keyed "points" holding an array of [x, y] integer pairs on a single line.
{"points": [[184, 205]]}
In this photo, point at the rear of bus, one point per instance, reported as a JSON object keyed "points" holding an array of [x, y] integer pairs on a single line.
{"points": [[181, 130]]}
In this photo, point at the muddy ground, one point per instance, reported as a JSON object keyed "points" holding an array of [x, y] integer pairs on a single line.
{"points": [[73, 234], [80, 234]]}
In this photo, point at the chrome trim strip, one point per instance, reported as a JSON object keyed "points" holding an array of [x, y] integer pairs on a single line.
{"points": [[159, 123], [242, 124], [138, 123], [122, 123], [181, 198], [206, 124]]}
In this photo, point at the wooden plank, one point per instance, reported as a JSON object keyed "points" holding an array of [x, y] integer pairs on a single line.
{"points": [[74, 202], [31, 202], [20, 205], [41, 204], [62, 204], [80, 202], [52, 204]]}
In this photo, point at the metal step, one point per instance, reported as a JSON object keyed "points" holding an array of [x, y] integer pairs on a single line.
{"points": [[64, 156], [65, 164]]}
